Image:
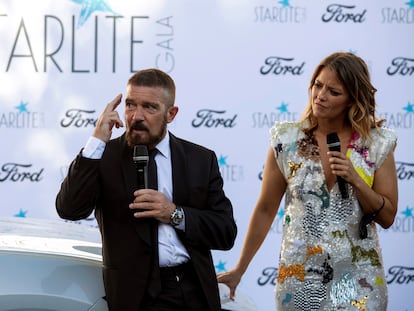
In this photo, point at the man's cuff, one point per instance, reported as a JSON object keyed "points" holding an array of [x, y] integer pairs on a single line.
{"points": [[94, 148]]}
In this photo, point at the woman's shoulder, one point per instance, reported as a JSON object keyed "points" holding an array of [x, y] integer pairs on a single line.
{"points": [[383, 140], [285, 131], [383, 134]]}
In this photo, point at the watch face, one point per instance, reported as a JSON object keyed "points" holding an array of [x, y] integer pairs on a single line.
{"points": [[177, 217]]}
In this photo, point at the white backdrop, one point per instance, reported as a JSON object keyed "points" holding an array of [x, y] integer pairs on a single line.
{"points": [[238, 66]]}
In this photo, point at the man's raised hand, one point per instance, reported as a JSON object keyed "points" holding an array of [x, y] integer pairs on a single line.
{"points": [[108, 119]]}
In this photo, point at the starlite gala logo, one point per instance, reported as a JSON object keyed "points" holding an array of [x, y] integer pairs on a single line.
{"points": [[284, 13], [91, 39], [400, 120], [21, 117], [230, 172], [398, 15], [280, 113]]}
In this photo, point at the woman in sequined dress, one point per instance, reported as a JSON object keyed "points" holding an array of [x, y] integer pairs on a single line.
{"points": [[330, 257]]}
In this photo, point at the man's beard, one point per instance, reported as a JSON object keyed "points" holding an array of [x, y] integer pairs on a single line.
{"points": [[149, 139]]}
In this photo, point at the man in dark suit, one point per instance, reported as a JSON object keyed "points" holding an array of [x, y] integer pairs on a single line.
{"points": [[156, 243]]}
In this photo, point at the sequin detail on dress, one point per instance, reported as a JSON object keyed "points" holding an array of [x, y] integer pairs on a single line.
{"points": [[323, 264]]}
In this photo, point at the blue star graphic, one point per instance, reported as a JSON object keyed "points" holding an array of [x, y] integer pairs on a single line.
{"points": [[22, 107], [222, 160], [410, 107], [283, 107], [408, 212], [220, 267], [410, 3], [89, 7], [21, 214], [284, 3]]}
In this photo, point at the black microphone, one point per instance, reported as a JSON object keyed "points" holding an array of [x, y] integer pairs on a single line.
{"points": [[334, 144], [140, 159]]}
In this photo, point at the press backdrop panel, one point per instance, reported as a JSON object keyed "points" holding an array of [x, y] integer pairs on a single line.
{"points": [[238, 65]]}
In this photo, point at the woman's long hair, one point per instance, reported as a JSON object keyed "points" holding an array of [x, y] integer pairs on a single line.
{"points": [[353, 73]]}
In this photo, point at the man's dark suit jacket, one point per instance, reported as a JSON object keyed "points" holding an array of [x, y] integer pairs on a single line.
{"points": [[107, 186]]}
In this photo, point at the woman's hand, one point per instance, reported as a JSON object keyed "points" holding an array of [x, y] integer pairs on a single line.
{"points": [[231, 279], [342, 166]]}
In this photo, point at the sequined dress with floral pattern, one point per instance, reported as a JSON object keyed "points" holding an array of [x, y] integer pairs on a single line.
{"points": [[324, 264]]}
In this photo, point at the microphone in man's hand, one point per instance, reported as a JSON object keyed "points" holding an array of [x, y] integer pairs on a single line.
{"points": [[141, 159], [334, 144]]}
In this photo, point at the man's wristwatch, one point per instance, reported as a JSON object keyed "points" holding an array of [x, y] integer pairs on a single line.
{"points": [[177, 216]]}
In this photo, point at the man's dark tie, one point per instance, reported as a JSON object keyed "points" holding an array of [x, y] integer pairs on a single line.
{"points": [[154, 287], [152, 170]]}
